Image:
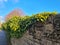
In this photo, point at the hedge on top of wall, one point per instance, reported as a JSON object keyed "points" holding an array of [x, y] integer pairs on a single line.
{"points": [[17, 26]]}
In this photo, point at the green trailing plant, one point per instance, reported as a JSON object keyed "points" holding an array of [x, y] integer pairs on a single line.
{"points": [[17, 26]]}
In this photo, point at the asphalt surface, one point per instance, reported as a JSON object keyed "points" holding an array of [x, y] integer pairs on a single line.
{"points": [[3, 38]]}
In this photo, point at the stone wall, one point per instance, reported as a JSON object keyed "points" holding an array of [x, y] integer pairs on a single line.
{"points": [[38, 34]]}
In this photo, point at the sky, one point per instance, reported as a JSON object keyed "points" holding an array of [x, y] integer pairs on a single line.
{"points": [[29, 7]]}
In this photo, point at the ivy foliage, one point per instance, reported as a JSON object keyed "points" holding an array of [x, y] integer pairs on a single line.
{"points": [[17, 26]]}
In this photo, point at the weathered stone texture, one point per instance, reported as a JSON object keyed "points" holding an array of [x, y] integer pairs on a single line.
{"points": [[38, 34]]}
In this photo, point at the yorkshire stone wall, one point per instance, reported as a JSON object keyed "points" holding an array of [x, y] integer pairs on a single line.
{"points": [[38, 34]]}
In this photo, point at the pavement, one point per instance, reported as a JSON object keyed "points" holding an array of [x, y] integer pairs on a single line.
{"points": [[3, 39]]}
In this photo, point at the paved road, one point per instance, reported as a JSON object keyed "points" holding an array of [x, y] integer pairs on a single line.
{"points": [[3, 39]]}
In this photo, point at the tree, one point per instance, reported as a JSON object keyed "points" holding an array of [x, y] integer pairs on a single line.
{"points": [[16, 12]]}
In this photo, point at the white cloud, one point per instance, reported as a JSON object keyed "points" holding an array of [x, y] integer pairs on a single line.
{"points": [[1, 16], [16, 0], [1, 19], [3, 1]]}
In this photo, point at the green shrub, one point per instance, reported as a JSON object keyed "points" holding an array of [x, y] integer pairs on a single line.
{"points": [[17, 26]]}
